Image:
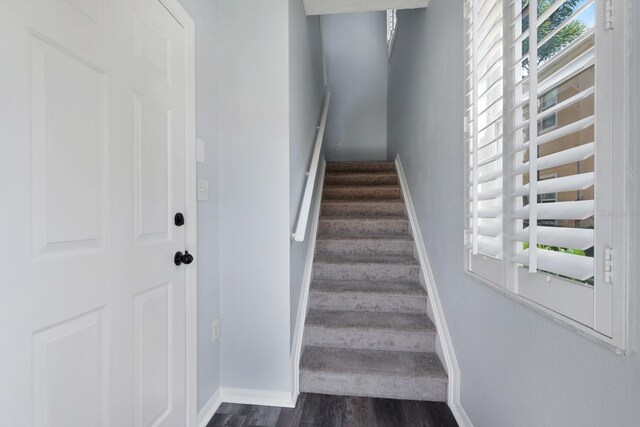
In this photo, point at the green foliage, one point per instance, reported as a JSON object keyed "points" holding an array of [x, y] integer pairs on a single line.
{"points": [[563, 38], [580, 252]]}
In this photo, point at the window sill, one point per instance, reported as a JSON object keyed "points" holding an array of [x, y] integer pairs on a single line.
{"points": [[574, 326]]}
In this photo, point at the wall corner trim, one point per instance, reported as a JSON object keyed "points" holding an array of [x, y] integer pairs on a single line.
{"points": [[453, 370], [209, 409], [296, 348]]}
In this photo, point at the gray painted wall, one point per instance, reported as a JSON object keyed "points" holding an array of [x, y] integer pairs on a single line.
{"points": [[356, 55], [203, 13], [306, 92], [252, 107], [518, 367]]}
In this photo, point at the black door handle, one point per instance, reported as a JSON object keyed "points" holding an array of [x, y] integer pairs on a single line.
{"points": [[182, 258], [178, 219]]}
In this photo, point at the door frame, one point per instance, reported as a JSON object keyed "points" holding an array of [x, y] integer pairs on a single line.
{"points": [[191, 295]]}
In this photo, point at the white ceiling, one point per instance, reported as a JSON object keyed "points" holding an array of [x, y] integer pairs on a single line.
{"points": [[325, 7]]}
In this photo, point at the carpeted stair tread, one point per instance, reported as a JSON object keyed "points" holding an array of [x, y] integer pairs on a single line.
{"points": [[341, 245], [344, 174], [391, 331], [362, 202], [361, 178], [362, 208], [370, 259], [361, 188], [372, 373], [386, 166], [398, 322], [378, 362], [361, 192], [363, 225], [359, 174], [368, 287], [394, 268], [364, 218], [368, 296], [360, 237]]}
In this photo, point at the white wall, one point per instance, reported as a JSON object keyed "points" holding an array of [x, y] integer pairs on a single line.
{"points": [[252, 107], [356, 54], [203, 13], [306, 92], [633, 194], [518, 367]]}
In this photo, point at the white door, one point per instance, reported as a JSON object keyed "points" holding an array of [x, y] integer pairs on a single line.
{"points": [[92, 172]]}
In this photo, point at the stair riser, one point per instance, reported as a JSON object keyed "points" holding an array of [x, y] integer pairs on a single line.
{"points": [[368, 302], [361, 167], [369, 339], [373, 272], [364, 247], [362, 227], [336, 208], [361, 179], [363, 193], [415, 388]]}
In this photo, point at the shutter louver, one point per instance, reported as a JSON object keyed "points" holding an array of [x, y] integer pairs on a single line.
{"points": [[561, 263]]}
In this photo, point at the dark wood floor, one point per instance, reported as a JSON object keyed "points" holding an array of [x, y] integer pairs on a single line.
{"points": [[329, 411]]}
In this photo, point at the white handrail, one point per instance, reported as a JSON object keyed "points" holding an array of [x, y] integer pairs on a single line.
{"points": [[305, 206]]}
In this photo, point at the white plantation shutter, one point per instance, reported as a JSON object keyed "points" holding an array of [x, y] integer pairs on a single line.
{"points": [[569, 69], [484, 129], [538, 150]]}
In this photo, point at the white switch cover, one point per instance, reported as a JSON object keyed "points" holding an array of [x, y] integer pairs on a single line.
{"points": [[200, 154], [215, 330], [203, 189]]}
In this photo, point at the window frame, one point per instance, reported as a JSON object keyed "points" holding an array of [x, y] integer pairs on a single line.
{"points": [[501, 276]]}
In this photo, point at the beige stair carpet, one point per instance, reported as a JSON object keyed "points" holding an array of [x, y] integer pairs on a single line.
{"points": [[367, 332]]}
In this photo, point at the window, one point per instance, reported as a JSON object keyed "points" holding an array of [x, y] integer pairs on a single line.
{"points": [[548, 198], [542, 136], [392, 27], [549, 100]]}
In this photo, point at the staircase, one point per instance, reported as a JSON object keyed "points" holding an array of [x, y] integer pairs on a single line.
{"points": [[367, 332]]}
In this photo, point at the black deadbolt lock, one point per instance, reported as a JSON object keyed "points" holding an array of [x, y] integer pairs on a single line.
{"points": [[183, 258], [178, 220]]}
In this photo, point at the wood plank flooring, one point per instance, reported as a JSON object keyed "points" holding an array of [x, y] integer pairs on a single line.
{"points": [[334, 411]]}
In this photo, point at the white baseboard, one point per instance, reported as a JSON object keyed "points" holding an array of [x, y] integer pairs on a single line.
{"points": [[460, 414], [298, 333], [209, 409], [245, 396], [453, 370]]}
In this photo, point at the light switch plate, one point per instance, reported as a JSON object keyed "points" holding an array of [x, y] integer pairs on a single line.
{"points": [[200, 151], [203, 189]]}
